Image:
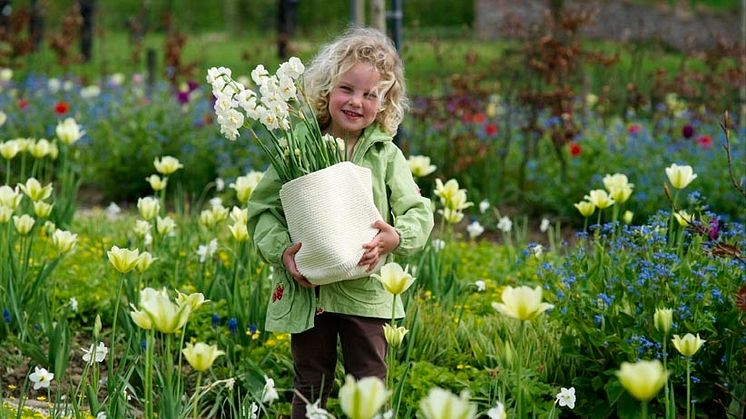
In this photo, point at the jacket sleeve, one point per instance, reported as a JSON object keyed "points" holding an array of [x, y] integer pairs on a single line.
{"points": [[267, 225], [413, 215]]}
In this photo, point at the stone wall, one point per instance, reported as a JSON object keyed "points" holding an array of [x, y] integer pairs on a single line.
{"points": [[621, 20]]}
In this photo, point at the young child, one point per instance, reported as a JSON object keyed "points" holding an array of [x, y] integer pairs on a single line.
{"points": [[356, 86]]}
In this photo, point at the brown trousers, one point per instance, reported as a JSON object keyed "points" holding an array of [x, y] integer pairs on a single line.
{"points": [[315, 355]]}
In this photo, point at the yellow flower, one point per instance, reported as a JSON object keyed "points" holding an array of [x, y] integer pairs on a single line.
{"points": [[394, 335], [621, 194], [5, 214], [522, 303], [442, 404], [420, 166], [662, 319], [451, 216], [40, 148], [599, 198], [142, 228], [586, 208], [194, 300], [64, 241], [149, 207], [34, 190], [23, 224], [362, 399], [240, 216], [680, 176], [123, 260], [643, 379], [394, 279], [201, 355], [156, 182], [446, 192], [42, 209], [144, 261], [683, 218], [167, 165], [164, 225], [688, 345]]}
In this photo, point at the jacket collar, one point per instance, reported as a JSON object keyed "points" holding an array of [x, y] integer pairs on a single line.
{"points": [[371, 135]]}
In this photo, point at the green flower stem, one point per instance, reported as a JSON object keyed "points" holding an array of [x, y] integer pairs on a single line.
{"points": [[585, 224], [195, 409], [149, 375], [644, 410], [7, 172], [688, 387], [519, 403], [665, 358], [118, 297]]}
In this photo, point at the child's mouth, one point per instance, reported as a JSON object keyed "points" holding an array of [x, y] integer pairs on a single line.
{"points": [[351, 114]]}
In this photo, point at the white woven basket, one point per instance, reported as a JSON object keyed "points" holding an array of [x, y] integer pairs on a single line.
{"points": [[331, 212]]}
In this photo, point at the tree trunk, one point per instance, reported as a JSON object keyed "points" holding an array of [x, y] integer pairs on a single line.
{"points": [[378, 14], [357, 12], [87, 12]]}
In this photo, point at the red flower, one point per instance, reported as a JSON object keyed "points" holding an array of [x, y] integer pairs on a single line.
{"points": [[22, 103], [61, 107], [575, 149], [478, 118], [704, 141], [490, 129], [634, 129]]}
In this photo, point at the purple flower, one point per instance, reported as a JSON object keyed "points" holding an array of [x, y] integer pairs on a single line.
{"points": [[215, 320], [183, 97], [6, 315], [687, 131], [714, 231], [233, 325]]}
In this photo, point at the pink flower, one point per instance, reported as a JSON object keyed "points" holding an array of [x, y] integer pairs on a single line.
{"points": [[634, 129], [704, 141]]}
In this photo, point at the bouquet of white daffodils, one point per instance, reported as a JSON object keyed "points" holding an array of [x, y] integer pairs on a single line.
{"points": [[328, 202], [279, 105]]}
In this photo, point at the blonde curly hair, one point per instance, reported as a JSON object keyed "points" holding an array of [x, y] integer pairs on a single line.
{"points": [[359, 45]]}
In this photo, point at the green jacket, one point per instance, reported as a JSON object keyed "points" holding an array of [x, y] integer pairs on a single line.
{"points": [[292, 308]]}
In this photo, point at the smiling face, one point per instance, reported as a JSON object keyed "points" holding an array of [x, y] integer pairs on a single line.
{"points": [[353, 104]]}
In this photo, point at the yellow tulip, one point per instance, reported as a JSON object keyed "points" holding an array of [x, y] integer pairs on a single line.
{"points": [[245, 185], [201, 356], [167, 165], [9, 149], [688, 345], [68, 131], [680, 176], [194, 300], [627, 217], [164, 225], [621, 194], [123, 260], [144, 261], [599, 198], [662, 319], [362, 399], [451, 216], [240, 232], [643, 379], [586, 208], [394, 335], [394, 279], [522, 303], [239, 216], [141, 318], [23, 224], [5, 214]]}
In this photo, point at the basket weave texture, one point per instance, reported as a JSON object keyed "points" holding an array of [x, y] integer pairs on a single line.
{"points": [[331, 212]]}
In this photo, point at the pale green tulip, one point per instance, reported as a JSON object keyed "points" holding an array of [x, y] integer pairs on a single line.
{"points": [[149, 207], [156, 182], [68, 131], [64, 241], [394, 279], [586, 208], [627, 217], [451, 216], [23, 224], [683, 218], [144, 261], [362, 399], [420, 166], [123, 260], [394, 335], [245, 185], [240, 232], [239, 216], [662, 319], [42, 209], [33, 189], [194, 300], [166, 316], [680, 176], [167, 165], [5, 214], [40, 148], [201, 356], [164, 225], [688, 345], [522, 303], [442, 404], [9, 149], [643, 379], [599, 198], [142, 228]]}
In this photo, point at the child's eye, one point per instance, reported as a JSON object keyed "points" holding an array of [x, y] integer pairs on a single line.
{"points": [[371, 96], [345, 88]]}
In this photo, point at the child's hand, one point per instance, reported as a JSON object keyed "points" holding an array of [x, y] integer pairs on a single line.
{"points": [[385, 241], [288, 258]]}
